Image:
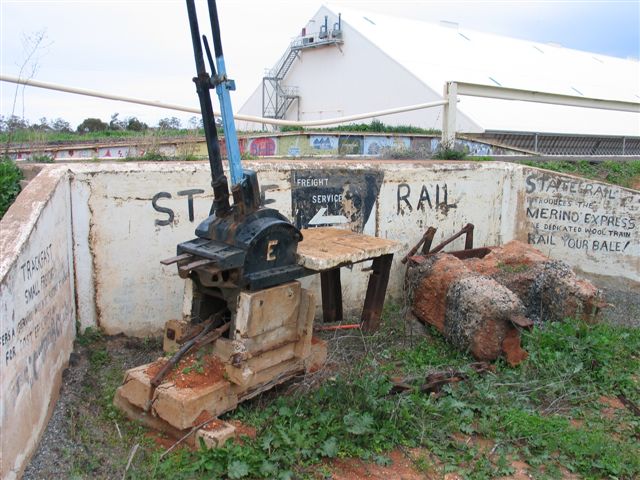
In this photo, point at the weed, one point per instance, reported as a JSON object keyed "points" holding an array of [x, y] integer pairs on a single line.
{"points": [[511, 268], [617, 172], [90, 336], [10, 176], [248, 156], [42, 158], [522, 408], [449, 154], [98, 358], [153, 156]]}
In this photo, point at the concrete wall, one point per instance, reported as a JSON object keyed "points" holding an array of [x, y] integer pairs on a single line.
{"points": [[139, 212], [592, 225], [308, 144], [37, 313]]}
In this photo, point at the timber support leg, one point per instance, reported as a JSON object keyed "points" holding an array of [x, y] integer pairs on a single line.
{"points": [[331, 295], [376, 290]]}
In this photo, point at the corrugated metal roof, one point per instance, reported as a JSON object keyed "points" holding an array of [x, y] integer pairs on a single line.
{"points": [[437, 53]]}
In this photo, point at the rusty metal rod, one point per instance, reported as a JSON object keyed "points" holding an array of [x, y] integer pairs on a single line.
{"points": [[347, 326]]}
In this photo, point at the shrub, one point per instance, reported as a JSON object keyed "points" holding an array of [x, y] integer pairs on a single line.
{"points": [[10, 176]]}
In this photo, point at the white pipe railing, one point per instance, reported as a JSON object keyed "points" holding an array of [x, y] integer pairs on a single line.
{"points": [[453, 89], [247, 118]]}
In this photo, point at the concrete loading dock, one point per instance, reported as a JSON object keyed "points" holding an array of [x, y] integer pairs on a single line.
{"points": [[69, 246]]}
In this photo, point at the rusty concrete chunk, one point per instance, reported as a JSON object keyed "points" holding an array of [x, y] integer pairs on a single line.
{"points": [[325, 248], [478, 316], [174, 332], [305, 324], [479, 303]]}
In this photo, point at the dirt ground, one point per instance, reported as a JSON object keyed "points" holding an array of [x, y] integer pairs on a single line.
{"points": [[79, 414]]}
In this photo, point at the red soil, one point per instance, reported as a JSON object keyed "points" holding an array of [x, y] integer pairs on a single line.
{"points": [[187, 373]]}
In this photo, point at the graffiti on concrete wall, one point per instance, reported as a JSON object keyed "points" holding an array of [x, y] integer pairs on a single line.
{"points": [[262, 147], [186, 206], [324, 143], [303, 145], [574, 214], [378, 145], [351, 145], [334, 197]]}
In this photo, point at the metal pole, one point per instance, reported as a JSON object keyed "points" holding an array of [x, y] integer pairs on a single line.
{"points": [[449, 115], [202, 81], [223, 86]]}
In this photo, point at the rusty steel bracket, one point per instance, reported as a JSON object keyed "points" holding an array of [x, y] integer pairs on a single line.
{"points": [[425, 242], [468, 243]]}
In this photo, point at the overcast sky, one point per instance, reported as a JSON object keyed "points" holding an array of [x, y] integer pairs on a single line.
{"points": [[143, 49]]}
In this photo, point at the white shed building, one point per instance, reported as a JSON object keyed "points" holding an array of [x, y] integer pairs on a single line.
{"points": [[362, 62]]}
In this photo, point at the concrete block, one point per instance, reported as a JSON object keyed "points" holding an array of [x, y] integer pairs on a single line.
{"points": [[272, 338], [265, 310], [180, 407], [268, 378], [272, 357], [239, 376], [174, 331], [305, 323], [136, 387], [215, 437]]}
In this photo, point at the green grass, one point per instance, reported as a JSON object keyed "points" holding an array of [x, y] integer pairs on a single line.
{"points": [[617, 172], [375, 126], [527, 411], [39, 136], [10, 176]]}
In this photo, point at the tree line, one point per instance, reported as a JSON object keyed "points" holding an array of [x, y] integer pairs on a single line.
{"points": [[14, 123]]}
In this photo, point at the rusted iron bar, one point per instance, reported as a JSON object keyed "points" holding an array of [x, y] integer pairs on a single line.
{"points": [[331, 288], [468, 229], [185, 269], [346, 326], [472, 253], [425, 241], [436, 380], [468, 242], [376, 290], [173, 361], [629, 404], [179, 258], [521, 321]]}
